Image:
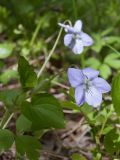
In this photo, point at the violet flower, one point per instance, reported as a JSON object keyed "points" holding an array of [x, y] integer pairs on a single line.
{"points": [[75, 38], [88, 86]]}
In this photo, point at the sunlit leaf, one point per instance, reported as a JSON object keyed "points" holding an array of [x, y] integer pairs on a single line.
{"points": [[8, 75], [99, 43], [113, 60], [105, 71], [77, 156], [93, 63], [5, 50]]}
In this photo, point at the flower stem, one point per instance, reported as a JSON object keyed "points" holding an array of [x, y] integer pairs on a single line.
{"points": [[8, 120], [103, 126], [82, 58], [105, 121], [52, 51], [50, 54], [74, 8]]}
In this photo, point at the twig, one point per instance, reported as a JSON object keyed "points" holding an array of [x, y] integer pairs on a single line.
{"points": [[54, 154], [73, 129], [61, 85]]}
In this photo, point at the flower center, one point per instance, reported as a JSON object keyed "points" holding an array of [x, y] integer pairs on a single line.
{"points": [[76, 36], [87, 84]]}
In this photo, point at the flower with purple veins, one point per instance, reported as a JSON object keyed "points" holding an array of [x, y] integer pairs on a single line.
{"points": [[75, 38], [88, 86]]}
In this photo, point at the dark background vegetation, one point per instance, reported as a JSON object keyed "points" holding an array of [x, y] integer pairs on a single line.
{"points": [[19, 20]]}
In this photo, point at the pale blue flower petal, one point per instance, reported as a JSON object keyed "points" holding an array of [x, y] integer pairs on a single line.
{"points": [[79, 95], [78, 26], [67, 28], [78, 47], [93, 97], [87, 40], [68, 39], [76, 40], [101, 85], [90, 73], [72, 44], [88, 86], [75, 77]]}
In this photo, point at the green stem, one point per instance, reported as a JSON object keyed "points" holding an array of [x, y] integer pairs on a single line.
{"points": [[50, 54], [6, 119], [35, 33], [113, 49], [82, 58], [52, 51], [96, 138], [97, 141], [103, 126], [74, 8], [105, 121]]}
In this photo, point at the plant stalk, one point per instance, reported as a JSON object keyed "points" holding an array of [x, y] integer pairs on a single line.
{"points": [[50, 54], [6, 119]]}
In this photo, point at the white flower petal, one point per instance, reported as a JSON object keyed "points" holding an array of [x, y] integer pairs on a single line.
{"points": [[75, 77], [78, 26], [90, 73], [93, 97], [67, 28], [78, 47], [79, 95], [68, 39], [101, 85], [87, 40]]}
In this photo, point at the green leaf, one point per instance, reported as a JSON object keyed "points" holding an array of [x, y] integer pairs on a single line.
{"points": [[105, 71], [28, 145], [107, 31], [6, 139], [107, 129], [9, 74], [111, 141], [12, 97], [1, 64], [43, 83], [93, 63], [69, 105], [23, 124], [28, 77], [116, 93], [5, 50], [77, 156], [44, 111], [88, 112], [8, 96], [113, 60], [86, 109], [99, 42], [112, 39], [100, 117], [71, 94]]}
